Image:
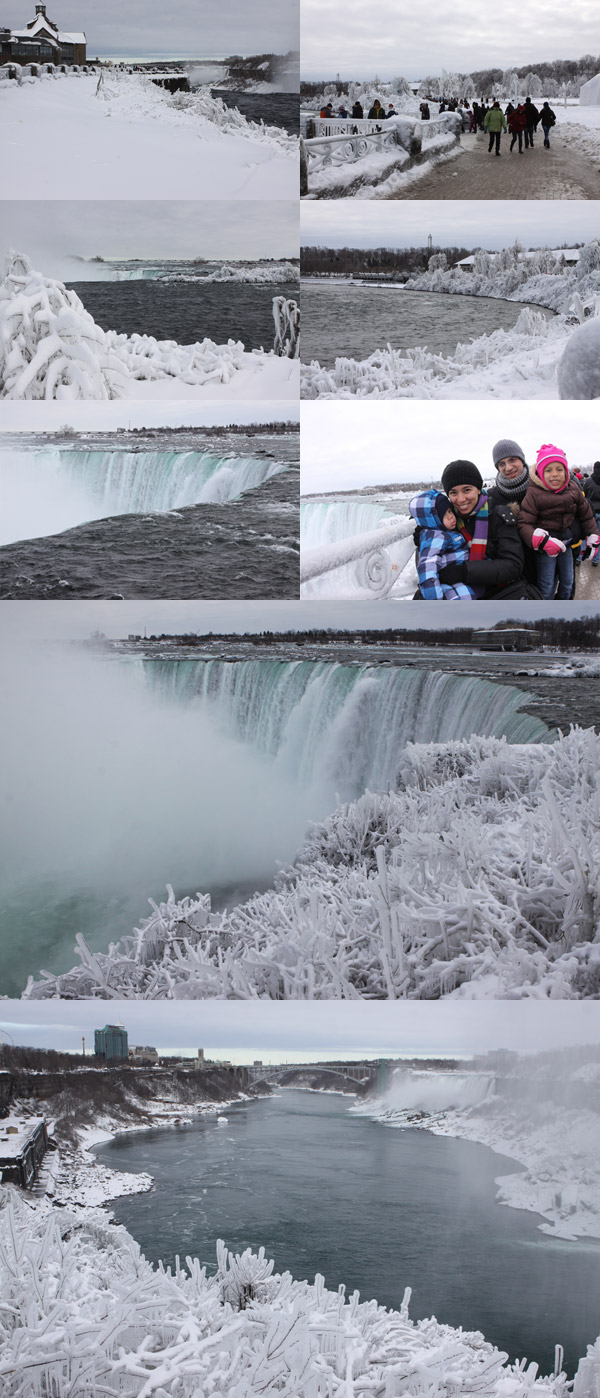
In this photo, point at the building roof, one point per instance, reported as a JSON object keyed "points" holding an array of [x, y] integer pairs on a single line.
{"points": [[569, 254], [42, 25], [12, 1144]]}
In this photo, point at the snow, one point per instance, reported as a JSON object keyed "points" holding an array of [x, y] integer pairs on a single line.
{"points": [[81, 1304], [133, 140], [525, 1113], [589, 94], [478, 877], [578, 372], [50, 347]]}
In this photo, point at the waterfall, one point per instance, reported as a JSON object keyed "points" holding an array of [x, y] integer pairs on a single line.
{"points": [[341, 728], [328, 521], [437, 1092], [53, 489]]}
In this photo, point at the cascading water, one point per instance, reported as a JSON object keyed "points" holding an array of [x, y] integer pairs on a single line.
{"points": [[53, 489], [437, 1092], [328, 521], [339, 728]]}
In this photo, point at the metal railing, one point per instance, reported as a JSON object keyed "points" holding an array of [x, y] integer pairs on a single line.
{"points": [[374, 571], [340, 141]]}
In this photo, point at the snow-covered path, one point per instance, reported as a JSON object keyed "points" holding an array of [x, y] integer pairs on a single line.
{"points": [[562, 172], [61, 141]]}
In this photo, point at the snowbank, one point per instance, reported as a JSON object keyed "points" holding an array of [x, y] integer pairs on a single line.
{"points": [[84, 1311], [50, 347], [527, 1112], [125, 138], [477, 877]]}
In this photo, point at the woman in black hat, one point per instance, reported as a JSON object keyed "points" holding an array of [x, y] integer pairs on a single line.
{"points": [[496, 561]]}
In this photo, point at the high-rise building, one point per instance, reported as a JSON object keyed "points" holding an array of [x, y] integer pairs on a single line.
{"points": [[111, 1043]]}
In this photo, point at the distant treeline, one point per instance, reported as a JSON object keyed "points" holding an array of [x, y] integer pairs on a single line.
{"points": [[581, 633], [361, 261], [561, 70]]}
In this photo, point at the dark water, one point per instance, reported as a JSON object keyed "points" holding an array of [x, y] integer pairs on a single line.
{"points": [[187, 312], [353, 321], [375, 1208], [274, 108]]}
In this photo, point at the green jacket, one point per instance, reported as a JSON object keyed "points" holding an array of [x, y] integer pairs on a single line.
{"points": [[495, 120]]}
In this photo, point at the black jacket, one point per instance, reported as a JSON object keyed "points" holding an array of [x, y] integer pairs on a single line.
{"points": [[504, 563], [591, 490], [495, 498]]}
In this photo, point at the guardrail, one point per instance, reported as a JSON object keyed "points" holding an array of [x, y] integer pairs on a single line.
{"points": [[375, 571], [343, 141]]}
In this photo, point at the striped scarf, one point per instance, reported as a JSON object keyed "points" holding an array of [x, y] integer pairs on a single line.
{"points": [[477, 538], [513, 490]]}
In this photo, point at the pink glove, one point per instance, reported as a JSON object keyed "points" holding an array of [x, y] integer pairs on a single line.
{"points": [[592, 541], [544, 541]]}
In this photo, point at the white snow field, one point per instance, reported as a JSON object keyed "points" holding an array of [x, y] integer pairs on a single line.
{"points": [[133, 140], [538, 358], [477, 877], [50, 347]]}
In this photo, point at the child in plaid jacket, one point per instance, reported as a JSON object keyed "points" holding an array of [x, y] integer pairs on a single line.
{"points": [[439, 543]]}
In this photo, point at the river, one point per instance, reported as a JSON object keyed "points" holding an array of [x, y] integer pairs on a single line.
{"points": [[375, 1208], [350, 320]]}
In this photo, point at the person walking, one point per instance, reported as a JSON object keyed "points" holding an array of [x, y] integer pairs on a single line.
{"points": [[591, 490], [517, 122], [548, 120], [532, 117], [495, 124]]}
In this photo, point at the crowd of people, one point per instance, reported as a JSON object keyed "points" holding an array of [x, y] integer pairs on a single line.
{"points": [[521, 121], [524, 537]]}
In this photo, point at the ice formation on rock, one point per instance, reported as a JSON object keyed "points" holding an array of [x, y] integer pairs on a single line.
{"points": [[578, 372], [477, 876]]}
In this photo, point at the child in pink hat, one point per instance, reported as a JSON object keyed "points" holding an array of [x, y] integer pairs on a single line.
{"points": [[554, 515]]}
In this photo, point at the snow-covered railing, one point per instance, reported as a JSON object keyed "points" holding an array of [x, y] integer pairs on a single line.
{"points": [[341, 126], [286, 314], [349, 144], [25, 72], [375, 571]]}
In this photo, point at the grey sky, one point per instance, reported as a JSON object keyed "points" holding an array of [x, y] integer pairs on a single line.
{"points": [[452, 34], [53, 232], [280, 1031], [181, 29], [347, 445], [25, 623], [468, 223], [114, 416]]}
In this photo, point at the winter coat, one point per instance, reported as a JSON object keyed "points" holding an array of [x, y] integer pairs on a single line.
{"points": [[495, 120], [591, 491], [547, 116], [357, 111], [496, 497], [517, 120], [503, 566], [532, 115], [376, 113], [436, 547], [565, 514]]}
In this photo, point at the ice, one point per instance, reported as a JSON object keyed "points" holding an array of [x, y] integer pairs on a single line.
{"points": [[477, 876], [83, 1311], [51, 348], [578, 371]]}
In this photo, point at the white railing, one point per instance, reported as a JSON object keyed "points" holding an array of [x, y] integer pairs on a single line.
{"points": [[346, 143], [374, 571]]}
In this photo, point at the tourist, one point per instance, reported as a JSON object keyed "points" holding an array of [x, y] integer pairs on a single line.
{"points": [[357, 111], [391, 111], [342, 112], [591, 490], [376, 112], [548, 120], [512, 482], [495, 124], [532, 117], [326, 111], [495, 564], [439, 543], [553, 511], [517, 123], [425, 112]]}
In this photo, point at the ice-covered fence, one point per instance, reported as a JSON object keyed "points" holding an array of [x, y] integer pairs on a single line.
{"points": [[286, 314], [24, 73], [340, 142], [374, 571]]}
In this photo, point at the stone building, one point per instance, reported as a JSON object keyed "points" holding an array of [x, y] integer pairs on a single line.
{"points": [[42, 42]]}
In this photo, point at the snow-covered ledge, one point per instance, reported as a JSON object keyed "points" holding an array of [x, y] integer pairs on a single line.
{"points": [[377, 572], [342, 144]]}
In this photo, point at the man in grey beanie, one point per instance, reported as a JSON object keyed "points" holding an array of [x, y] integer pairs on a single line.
{"points": [[512, 475]]}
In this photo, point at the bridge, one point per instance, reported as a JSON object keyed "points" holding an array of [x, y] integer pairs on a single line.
{"points": [[375, 1072]]}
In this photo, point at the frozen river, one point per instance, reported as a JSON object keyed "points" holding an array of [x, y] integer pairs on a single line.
{"points": [[372, 1207]]}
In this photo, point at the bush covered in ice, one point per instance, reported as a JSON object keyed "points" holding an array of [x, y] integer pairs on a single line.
{"points": [[50, 346], [84, 1313], [542, 277], [478, 876]]}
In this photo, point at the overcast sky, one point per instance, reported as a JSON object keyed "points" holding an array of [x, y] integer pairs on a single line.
{"points": [[117, 415], [22, 623], [55, 232], [470, 223], [359, 42], [294, 1030], [179, 29], [348, 445]]}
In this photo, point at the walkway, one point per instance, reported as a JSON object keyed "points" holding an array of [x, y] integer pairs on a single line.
{"points": [[559, 173]]}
